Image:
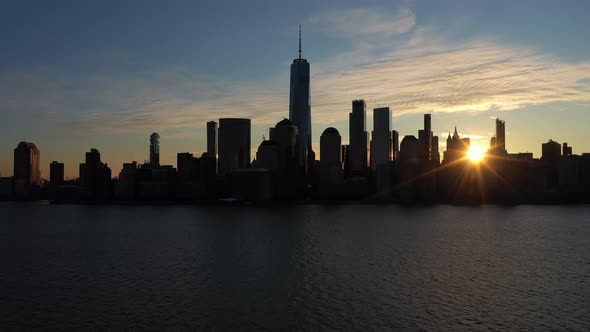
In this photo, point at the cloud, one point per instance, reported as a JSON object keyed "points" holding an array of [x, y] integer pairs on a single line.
{"points": [[472, 76], [363, 22], [419, 73]]}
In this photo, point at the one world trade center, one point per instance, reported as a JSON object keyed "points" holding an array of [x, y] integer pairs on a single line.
{"points": [[300, 108]]}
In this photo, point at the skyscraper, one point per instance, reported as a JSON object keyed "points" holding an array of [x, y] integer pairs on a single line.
{"points": [[395, 143], [381, 142], [427, 136], [26, 164], [551, 151], [434, 153], [212, 139], [330, 155], [56, 173], [359, 138], [234, 144], [95, 176], [500, 137], [155, 149], [300, 106]]}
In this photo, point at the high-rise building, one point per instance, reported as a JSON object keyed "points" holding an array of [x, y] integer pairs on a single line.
{"points": [[381, 143], [330, 155], [551, 151], [95, 176], [285, 134], [427, 136], [359, 137], [500, 137], [234, 144], [300, 107], [56, 173], [395, 144], [26, 164], [434, 153], [212, 139], [288, 179], [188, 167], [154, 150], [567, 150]]}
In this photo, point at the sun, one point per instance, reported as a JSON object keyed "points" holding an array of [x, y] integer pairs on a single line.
{"points": [[476, 153]]}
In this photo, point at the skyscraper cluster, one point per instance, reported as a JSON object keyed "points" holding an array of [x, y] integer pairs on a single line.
{"points": [[373, 166]]}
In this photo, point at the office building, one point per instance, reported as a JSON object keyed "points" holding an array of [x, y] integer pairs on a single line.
{"points": [[234, 144], [395, 145], [359, 138], [26, 164], [500, 137], [155, 150], [551, 151], [498, 142], [56, 173], [212, 139], [434, 153], [330, 156], [381, 142], [567, 150], [95, 176], [300, 108], [285, 134], [427, 140]]}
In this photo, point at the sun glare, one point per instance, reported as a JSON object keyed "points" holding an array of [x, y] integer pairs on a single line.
{"points": [[476, 153]]}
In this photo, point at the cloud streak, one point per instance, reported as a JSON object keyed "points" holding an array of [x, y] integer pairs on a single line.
{"points": [[363, 22], [411, 69]]}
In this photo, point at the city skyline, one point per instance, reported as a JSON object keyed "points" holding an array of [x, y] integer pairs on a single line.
{"points": [[111, 96]]}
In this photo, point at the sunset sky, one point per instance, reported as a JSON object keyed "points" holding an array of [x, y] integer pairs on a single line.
{"points": [[76, 75]]}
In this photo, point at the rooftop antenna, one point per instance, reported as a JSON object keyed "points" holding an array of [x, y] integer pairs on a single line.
{"points": [[299, 41]]}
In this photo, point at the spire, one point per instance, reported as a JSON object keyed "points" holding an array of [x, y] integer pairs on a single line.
{"points": [[455, 134], [299, 41]]}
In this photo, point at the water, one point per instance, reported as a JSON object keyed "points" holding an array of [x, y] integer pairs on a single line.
{"points": [[359, 267]]}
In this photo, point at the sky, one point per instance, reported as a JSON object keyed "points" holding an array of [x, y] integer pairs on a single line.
{"points": [[76, 75]]}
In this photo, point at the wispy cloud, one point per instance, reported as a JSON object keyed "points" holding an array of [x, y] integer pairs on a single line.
{"points": [[421, 72], [364, 22]]}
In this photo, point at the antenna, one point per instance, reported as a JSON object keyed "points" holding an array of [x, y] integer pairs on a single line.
{"points": [[299, 41]]}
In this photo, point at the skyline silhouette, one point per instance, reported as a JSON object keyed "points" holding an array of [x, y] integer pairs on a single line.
{"points": [[73, 80]]}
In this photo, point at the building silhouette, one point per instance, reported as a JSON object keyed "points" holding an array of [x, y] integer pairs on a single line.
{"points": [[551, 151], [27, 176], [212, 139], [381, 138], [359, 138], [427, 139], [330, 156], [567, 150], [95, 177], [457, 147], [395, 145], [300, 108], [498, 141], [56, 173], [155, 149], [234, 144], [26, 164], [289, 177]]}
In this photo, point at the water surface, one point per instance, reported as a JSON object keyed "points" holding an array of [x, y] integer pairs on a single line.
{"points": [[356, 267]]}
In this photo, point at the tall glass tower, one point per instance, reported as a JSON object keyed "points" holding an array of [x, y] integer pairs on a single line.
{"points": [[300, 108]]}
